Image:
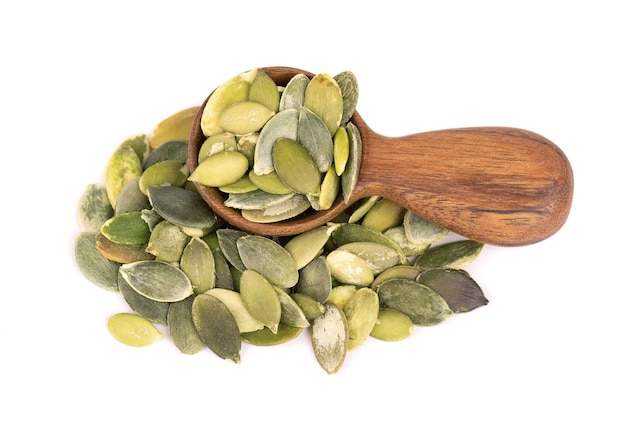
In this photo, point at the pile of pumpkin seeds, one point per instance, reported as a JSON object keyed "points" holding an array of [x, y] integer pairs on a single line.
{"points": [[279, 151], [377, 270]]}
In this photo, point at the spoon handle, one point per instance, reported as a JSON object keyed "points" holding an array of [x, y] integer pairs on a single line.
{"points": [[497, 185]]}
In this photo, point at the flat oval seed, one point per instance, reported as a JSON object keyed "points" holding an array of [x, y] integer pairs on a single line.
{"points": [[341, 149], [263, 90], [458, 289], [329, 189], [157, 280], [214, 144], [217, 327], [123, 167], [329, 337], [421, 231], [406, 272], [167, 242], [348, 268], [340, 295], [121, 253], [323, 97], [170, 150], [181, 327], [306, 246], [398, 235], [232, 299], [282, 125], [255, 200], [139, 144], [377, 256], [245, 117], [290, 312], [350, 175], [295, 167], [354, 232], [154, 311], [423, 305], [260, 299], [227, 240], [292, 207], [315, 280], [182, 207], [453, 255], [269, 259], [198, 264], [96, 268], [293, 94], [243, 185], [176, 127], [265, 337], [270, 183], [220, 169], [133, 330], [314, 136], [349, 87], [94, 208], [361, 313], [384, 215], [167, 172], [131, 199], [311, 308], [129, 228], [232, 91], [392, 325]]}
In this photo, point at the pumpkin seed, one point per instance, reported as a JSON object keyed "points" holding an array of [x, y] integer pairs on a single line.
{"points": [[311, 308], [245, 117], [405, 272], [129, 228], [269, 183], [123, 167], [352, 232], [260, 299], [217, 327], [159, 281], [329, 189], [306, 246], [454, 255], [341, 295], [384, 215], [170, 150], [198, 264], [290, 312], [376, 256], [96, 268], [423, 305], [182, 207], [133, 330], [269, 259], [265, 337], [131, 199], [350, 175], [224, 141], [348, 268], [139, 144], [282, 125], [227, 240], [459, 290], [398, 235], [176, 127], [329, 337], [167, 172], [121, 253], [220, 169], [255, 200], [361, 313], [167, 242], [154, 311], [243, 185], [181, 327], [151, 217], [223, 275], [315, 138], [295, 205], [323, 97], [341, 149], [263, 90], [232, 299], [232, 91], [295, 166], [94, 208], [363, 206], [349, 87], [392, 325], [246, 145], [293, 94], [421, 231]]}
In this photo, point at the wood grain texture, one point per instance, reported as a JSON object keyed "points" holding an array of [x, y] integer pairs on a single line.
{"points": [[496, 185]]}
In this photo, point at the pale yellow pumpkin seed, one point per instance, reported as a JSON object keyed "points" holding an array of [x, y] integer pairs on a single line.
{"points": [[361, 312], [329, 189], [260, 299], [263, 90], [306, 246], [269, 183], [384, 215], [133, 330], [224, 141], [341, 149], [265, 337], [329, 337], [392, 325], [323, 97], [220, 169], [176, 127], [167, 172], [341, 295], [348, 268], [123, 167], [234, 90], [245, 117], [232, 299], [377, 256]]}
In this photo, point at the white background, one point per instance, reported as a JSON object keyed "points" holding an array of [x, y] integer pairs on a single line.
{"points": [[546, 353]]}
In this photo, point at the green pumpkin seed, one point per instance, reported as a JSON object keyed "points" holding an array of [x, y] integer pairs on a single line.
{"points": [[255, 200], [198, 264], [311, 308], [224, 141], [341, 295], [349, 87], [129, 228], [181, 327], [232, 91], [263, 90], [348, 268], [159, 281], [220, 169], [323, 97], [295, 205], [94, 208], [232, 299], [341, 149], [133, 330], [243, 185], [227, 240], [176, 127], [398, 235], [123, 167], [350, 175], [265, 337], [182, 207], [405, 272], [223, 274], [131, 199], [139, 144], [361, 313], [459, 290], [306, 246], [378, 257], [269, 259], [260, 299], [167, 172], [421, 231], [423, 305], [96, 268], [362, 207], [293, 94], [121, 253], [269, 183], [329, 337], [392, 325], [245, 117], [384, 215], [314, 136], [295, 166], [217, 327], [290, 312], [151, 217], [282, 125], [352, 232], [454, 255], [329, 189], [167, 242], [171, 150], [154, 311]]}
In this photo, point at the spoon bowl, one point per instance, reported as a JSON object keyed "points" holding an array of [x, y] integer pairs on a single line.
{"points": [[496, 185]]}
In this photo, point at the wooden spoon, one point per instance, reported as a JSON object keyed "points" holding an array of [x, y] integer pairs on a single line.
{"points": [[496, 185]]}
